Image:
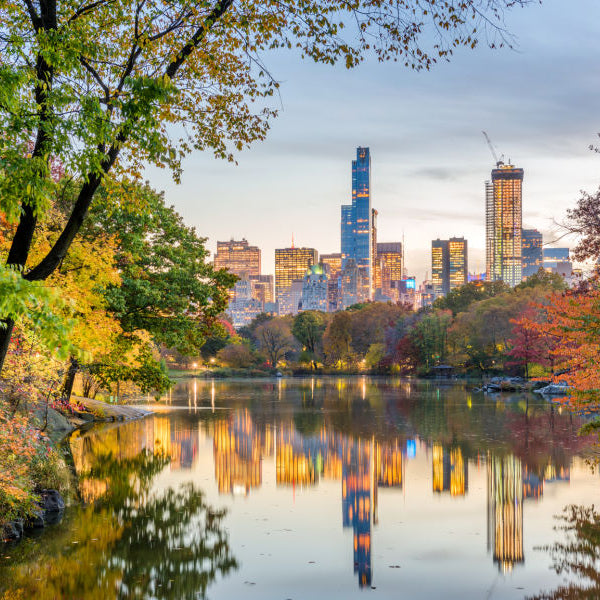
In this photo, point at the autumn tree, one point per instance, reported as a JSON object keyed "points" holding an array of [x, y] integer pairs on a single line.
{"points": [[572, 326], [106, 86], [337, 339], [528, 345], [275, 339]]}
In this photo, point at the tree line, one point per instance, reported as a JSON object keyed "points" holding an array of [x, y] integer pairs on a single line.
{"points": [[475, 328]]}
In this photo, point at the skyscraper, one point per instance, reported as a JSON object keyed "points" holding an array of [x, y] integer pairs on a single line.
{"points": [[357, 219], [440, 267], [532, 257], [238, 257], [290, 265], [458, 262], [504, 224], [449, 264], [388, 267]]}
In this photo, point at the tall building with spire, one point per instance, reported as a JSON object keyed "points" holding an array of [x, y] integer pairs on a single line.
{"points": [[357, 226], [504, 224]]}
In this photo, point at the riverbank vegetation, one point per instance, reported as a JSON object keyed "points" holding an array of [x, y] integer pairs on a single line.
{"points": [[476, 329]]}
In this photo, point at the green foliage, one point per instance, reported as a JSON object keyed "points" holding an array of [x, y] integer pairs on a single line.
{"points": [[22, 299], [429, 337], [544, 279], [148, 374], [461, 298], [167, 286], [308, 328], [375, 355]]}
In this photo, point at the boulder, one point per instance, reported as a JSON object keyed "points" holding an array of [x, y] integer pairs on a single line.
{"points": [[12, 530], [52, 501], [37, 519]]}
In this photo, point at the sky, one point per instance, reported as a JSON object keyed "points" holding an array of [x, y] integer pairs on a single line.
{"points": [[538, 103]]}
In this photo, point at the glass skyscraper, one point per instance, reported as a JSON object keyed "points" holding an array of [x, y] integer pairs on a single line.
{"points": [[532, 254], [357, 218]]}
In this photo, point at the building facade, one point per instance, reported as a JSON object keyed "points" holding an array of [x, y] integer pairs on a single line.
{"points": [[553, 256], [238, 257], [449, 265], [504, 195], [332, 264], [389, 267], [315, 289], [357, 230], [291, 265], [354, 285], [532, 256]]}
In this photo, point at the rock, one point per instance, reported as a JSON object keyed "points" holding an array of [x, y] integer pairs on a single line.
{"points": [[12, 530], [37, 520], [52, 501]]}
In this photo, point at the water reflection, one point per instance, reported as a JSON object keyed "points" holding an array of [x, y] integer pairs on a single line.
{"points": [[372, 438]]}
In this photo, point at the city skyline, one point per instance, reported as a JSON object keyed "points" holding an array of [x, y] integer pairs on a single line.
{"points": [[430, 158]]}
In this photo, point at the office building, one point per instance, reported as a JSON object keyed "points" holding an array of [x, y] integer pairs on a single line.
{"points": [[314, 289], [332, 263], [357, 230], [440, 267], [243, 307], [354, 285], [291, 265], [532, 257], [238, 257], [262, 288], [389, 266], [458, 262], [449, 265], [553, 256], [504, 224]]}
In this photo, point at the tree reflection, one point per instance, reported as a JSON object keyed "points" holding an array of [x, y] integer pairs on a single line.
{"points": [[577, 556], [133, 543]]}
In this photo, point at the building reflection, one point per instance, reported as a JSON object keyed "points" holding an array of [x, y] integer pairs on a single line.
{"points": [[307, 446], [238, 449], [505, 510], [450, 471]]}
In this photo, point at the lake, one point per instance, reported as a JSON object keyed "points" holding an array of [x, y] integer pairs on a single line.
{"points": [[317, 488]]}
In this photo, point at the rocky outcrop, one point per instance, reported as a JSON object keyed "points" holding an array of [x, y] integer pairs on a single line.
{"points": [[49, 511]]}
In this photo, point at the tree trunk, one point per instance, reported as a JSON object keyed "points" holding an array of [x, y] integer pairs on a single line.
{"points": [[5, 335], [70, 379]]}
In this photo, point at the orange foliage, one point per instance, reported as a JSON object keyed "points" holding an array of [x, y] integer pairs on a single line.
{"points": [[572, 328]]}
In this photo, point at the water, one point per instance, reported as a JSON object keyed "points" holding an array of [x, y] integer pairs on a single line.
{"points": [[315, 488]]}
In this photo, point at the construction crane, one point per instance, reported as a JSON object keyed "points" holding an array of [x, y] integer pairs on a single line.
{"points": [[493, 150]]}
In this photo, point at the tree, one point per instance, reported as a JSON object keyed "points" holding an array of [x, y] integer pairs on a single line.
{"points": [[238, 356], [571, 326], [543, 278], [370, 323], [527, 344], [461, 298], [337, 339], [275, 339], [430, 335], [100, 84], [308, 328], [166, 286], [584, 221], [577, 555]]}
